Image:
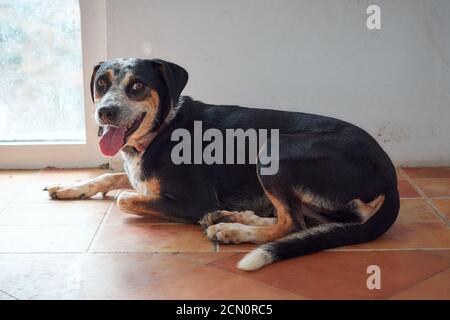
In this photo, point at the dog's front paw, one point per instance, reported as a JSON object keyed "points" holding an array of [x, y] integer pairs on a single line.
{"points": [[70, 191], [228, 233], [215, 217]]}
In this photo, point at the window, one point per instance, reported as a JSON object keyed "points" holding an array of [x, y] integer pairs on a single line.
{"points": [[48, 50], [41, 88]]}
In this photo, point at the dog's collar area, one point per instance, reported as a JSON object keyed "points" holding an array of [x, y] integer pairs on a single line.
{"points": [[130, 150], [143, 142], [140, 146]]}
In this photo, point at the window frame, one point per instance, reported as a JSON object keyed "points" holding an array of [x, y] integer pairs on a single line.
{"points": [[70, 154]]}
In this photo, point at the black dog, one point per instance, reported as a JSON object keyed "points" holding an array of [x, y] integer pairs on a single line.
{"points": [[334, 185]]}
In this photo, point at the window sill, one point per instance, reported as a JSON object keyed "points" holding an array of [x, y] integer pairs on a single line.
{"points": [[42, 142]]}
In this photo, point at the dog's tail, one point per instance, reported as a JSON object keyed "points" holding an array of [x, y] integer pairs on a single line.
{"points": [[325, 236]]}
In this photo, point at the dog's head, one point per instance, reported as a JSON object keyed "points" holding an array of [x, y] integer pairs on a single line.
{"points": [[133, 99]]}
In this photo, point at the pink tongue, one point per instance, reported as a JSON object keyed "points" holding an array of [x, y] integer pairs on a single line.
{"points": [[112, 140]]}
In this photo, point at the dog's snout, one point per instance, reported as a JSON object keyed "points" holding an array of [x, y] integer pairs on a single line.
{"points": [[108, 114]]}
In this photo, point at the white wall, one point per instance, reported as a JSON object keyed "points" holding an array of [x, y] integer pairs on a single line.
{"points": [[312, 56]]}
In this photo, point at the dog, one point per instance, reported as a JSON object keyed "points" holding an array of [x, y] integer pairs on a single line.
{"points": [[335, 185]]}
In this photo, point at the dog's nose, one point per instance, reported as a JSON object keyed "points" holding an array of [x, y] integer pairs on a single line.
{"points": [[108, 114]]}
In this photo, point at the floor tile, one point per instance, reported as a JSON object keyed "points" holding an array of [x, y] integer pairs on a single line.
{"points": [[206, 282], [12, 182], [436, 172], [401, 175], [441, 253], [406, 190], [33, 192], [45, 238], [434, 187], [434, 288], [343, 275], [443, 205], [152, 238], [54, 176], [9, 191], [18, 176], [117, 217], [416, 210], [410, 236], [85, 276], [54, 213], [205, 257], [60, 232], [244, 247]]}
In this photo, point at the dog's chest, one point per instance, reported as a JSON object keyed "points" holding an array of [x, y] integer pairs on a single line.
{"points": [[132, 165]]}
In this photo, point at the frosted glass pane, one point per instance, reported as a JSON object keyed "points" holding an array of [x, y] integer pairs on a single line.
{"points": [[41, 85]]}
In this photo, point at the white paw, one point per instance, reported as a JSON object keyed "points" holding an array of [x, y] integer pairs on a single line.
{"points": [[228, 233], [71, 191]]}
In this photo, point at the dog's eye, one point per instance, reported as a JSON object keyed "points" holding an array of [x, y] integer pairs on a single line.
{"points": [[101, 83], [137, 86]]}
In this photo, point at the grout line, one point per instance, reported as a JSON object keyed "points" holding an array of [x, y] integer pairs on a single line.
{"points": [[421, 281], [9, 295], [428, 201], [411, 198], [164, 278], [259, 282], [100, 226]]}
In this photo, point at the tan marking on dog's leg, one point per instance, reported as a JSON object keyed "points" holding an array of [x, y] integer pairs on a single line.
{"points": [[367, 210], [244, 217], [89, 188], [138, 204], [238, 233], [153, 185], [284, 221]]}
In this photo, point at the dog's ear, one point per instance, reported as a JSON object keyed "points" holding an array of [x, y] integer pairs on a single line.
{"points": [[94, 72], [175, 78]]}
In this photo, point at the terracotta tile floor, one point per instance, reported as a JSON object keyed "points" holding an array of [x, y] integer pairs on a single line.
{"points": [[88, 249]]}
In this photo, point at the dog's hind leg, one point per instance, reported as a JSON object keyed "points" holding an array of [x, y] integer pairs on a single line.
{"points": [[272, 229], [89, 188], [287, 207]]}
